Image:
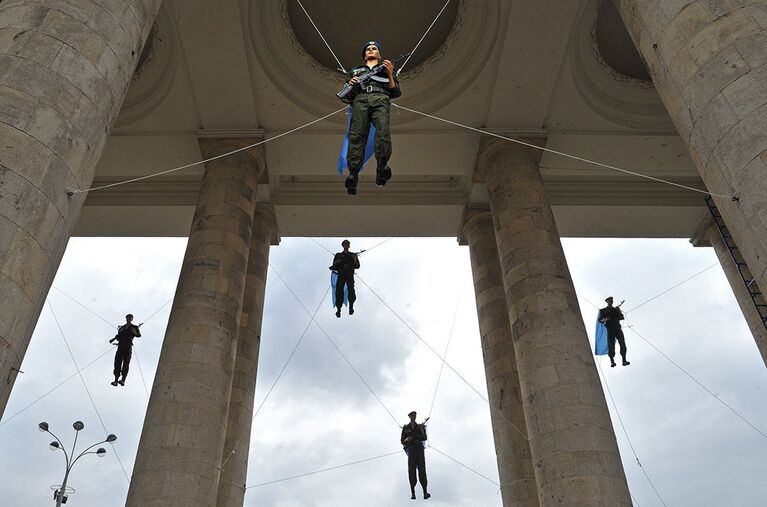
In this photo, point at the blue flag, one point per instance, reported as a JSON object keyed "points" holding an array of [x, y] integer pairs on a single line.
{"points": [[333, 281], [600, 339], [369, 147]]}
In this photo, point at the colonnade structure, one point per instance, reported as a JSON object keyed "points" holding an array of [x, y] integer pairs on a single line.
{"points": [[97, 92]]}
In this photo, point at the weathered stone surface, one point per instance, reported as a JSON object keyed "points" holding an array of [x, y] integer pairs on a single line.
{"points": [[572, 442], [231, 488], [515, 466], [182, 441], [707, 59], [56, 110], [753, 319]]}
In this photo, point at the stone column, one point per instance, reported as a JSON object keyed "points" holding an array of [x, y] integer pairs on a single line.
{"points": [[572, 442], [752, 316], [182, 440], [708, 60], [64, 69], [512, 450], [231, 488]]}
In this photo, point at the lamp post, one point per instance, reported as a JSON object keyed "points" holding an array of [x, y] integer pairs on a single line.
{"points": [[60, 494]]}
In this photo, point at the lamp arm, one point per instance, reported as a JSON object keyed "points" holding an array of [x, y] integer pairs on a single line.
{"points": [[74, 444], [61, 446], [85, 451], [80, 456]]}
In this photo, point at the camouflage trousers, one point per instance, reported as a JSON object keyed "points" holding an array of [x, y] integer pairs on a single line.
{"points": [[369, 108]]}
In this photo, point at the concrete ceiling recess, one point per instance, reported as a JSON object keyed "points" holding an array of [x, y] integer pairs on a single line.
{"points": [[563, 72]]}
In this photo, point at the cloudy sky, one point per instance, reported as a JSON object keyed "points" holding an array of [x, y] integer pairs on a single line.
{"points": [[320, 415]]}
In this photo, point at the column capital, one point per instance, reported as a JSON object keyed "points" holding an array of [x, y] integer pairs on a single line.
{"points": [[702, 235], [213, 146], [266, 216], [492, 150], [472, 214]]}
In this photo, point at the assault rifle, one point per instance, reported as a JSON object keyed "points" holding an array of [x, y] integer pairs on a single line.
{"points": [[422, 426], [618, 306], [364, 78], [335, 268]]}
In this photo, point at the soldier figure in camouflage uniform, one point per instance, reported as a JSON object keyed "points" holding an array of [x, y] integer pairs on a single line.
{"points": [[371, 105]]}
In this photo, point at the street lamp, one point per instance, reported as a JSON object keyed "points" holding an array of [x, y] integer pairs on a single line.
{"points": [[60, 494]]}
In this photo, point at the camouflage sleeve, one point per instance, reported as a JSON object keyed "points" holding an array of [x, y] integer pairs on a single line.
{"points": [[395, 92]]}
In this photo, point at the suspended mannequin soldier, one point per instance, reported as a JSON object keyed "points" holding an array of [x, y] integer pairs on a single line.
{"points": [[611, 316], [371, 105], [344, 263], [412, 439], [124, 337]]}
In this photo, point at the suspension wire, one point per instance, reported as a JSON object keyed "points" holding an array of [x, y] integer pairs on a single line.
{"points": [[364, 461], [57, 386], [625, 432], [465, 466], [79, 372], [411, 226], [379, 244], [507, 484], [709, 391], [359, 375], [141, 373], [501, 414], [158, 310], [529, 438], [323, 470], [340, 65], [699, 383], [135, 349], [72, 191], [81, 305], [447, 347], [313, 320], [92, 312], [561, 153], [672, 288], [277, 379], [423, 36], [110, 349]]}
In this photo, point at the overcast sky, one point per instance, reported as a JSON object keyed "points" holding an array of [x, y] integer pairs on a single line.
{"points": [[320, 415]]}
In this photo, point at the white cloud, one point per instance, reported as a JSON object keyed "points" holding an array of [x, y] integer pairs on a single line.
{"points": [[321, 415]]}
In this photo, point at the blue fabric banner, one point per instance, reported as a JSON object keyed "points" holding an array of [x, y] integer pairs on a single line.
{"points": [[369, 147], [600, 339], [333, 280]]}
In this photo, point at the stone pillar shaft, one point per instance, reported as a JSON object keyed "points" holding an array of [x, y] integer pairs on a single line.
{"points": [[182, 440], [574, 450], [515, 466], [231, 492], [708, 61], [752, 316], [64, 69]]}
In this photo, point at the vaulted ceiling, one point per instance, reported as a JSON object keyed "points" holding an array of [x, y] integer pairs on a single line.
{"points": [[565, 71]]}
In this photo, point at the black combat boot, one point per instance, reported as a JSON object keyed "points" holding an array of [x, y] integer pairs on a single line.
{"points": [[383, 174], [351, 183]]}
